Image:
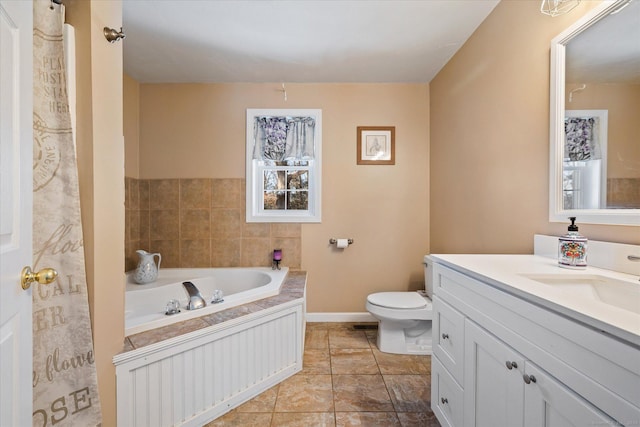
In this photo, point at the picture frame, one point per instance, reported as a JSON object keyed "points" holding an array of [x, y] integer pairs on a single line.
{"points": [[376, 145]]}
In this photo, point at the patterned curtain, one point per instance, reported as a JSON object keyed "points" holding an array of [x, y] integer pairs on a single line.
{"points": [[284, 138], [65, 385], [581, 139]]}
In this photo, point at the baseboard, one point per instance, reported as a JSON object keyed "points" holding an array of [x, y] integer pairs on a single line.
{"points": [[340, 317]]}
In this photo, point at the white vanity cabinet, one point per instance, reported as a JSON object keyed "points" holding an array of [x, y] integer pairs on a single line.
{"points": [[501, 360]]}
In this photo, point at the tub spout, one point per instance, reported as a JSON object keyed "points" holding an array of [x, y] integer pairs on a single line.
{"points": [[195, 299]]}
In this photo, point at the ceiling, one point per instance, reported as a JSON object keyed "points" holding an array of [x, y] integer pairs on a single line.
{"points": [[206, 41]]}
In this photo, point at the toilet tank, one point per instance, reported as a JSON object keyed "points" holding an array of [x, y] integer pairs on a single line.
{"points": [[428, 277]]}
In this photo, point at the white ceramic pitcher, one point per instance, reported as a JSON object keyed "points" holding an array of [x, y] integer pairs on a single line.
{"points": [[147, 270]]}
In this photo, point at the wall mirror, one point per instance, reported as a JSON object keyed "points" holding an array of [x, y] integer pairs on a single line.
{"points": [[595, 117]]}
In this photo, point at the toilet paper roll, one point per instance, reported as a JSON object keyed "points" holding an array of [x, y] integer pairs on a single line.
{"points": [[342, 243]]}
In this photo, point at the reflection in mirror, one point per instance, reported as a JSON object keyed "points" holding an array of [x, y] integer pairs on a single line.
{"points": [[584, 167], [595, 111]]}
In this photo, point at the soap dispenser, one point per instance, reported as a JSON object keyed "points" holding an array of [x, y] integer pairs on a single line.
{"points": [[572, 248]]}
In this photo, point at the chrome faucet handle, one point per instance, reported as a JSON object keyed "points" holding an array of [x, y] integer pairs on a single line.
{"points": [[195, 299]]}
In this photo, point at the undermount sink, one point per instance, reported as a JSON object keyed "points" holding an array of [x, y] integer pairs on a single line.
{"points": [[618, 293]]}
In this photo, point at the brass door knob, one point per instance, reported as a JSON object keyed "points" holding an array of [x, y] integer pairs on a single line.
{"points": [[44, 277]]}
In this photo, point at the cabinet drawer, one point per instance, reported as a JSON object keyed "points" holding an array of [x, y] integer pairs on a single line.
{"points": [[448, 337], [446, 396]]}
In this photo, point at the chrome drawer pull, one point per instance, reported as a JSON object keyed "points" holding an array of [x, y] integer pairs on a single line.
{"points": [[511, 365], [529, 378], [444, 400], [445, 336]]}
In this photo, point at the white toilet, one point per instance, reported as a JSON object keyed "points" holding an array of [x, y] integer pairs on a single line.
{"points": [[404, 318]]}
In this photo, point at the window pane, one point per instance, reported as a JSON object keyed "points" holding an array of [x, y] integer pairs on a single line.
{"points": [[297, 180], [298, 200], [274, 180], [274, 200]]}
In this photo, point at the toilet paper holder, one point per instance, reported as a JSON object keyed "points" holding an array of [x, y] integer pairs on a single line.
{"points": [[335, 241]]}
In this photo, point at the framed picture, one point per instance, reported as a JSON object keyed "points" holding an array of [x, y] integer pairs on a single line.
{"points": [[376, 145]]}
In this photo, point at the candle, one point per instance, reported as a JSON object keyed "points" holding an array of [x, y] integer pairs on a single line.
{"points": [[277, 254]]}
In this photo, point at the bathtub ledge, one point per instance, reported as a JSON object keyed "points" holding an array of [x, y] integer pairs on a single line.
{"points": [[291, 292]]}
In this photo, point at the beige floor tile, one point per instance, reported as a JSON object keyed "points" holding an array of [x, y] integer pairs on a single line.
{"points": [[241, 419], [361, 393], [303, 419], [353, 361], [316, 339], [372, 335], [346, 381], [400, 364], [418, 419], [264, 402], [409, 393], [367, 419], [347, 339], [316, 362], [305, 393]]}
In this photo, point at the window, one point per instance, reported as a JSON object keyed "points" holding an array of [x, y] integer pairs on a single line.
{"points": [[284, 149]]}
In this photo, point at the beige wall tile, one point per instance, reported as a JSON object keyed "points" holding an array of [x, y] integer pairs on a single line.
{"points": [[134, 194], [195, 224], [164, 194], [286, 230], [256, 229], [164, 225], [195, 253], [145, 225], [226, 222], [256, 252], [169, 250], [225, 252], [143, 189], [195, 193], [127, 196], [227, 193]]}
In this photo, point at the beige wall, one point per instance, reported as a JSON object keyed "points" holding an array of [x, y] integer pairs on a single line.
{"points": [[131, 125], [101, 176], [490, 137], [198, 131]]}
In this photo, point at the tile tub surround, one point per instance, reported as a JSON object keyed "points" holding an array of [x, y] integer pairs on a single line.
{"points": [[200, 222], [345, 381], [291, 289]]}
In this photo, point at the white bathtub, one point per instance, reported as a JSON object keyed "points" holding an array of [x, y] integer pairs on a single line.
{"points": [[145, 304]]}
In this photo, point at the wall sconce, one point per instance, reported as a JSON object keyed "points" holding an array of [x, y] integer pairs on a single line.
{"points": [[557, 7], [113, 35]]}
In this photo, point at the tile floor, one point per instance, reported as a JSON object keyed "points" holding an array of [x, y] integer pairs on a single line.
{"points": [[346, 381]]}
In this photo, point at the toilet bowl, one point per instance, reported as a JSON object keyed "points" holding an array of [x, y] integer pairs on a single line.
{"points": [[404, 318]]}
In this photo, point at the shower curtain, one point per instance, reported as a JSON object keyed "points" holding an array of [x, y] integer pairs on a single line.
{"points": [[65, 390]]}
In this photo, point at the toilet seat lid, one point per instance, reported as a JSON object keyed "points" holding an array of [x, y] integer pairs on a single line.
{"points": [[398, 300]]}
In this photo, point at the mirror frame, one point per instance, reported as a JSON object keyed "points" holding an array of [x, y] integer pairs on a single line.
{"points": [[557, 213]]}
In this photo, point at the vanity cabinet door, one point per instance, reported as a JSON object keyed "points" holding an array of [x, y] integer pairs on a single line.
{"points": [[493, 382], [549, 403], [448, 337], [446, 396]]}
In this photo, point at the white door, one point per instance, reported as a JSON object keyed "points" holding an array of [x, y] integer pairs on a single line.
{"points": [[16, 154]]}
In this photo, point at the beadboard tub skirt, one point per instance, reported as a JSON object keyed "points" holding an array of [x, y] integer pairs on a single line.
{"points": [[194, 378]]}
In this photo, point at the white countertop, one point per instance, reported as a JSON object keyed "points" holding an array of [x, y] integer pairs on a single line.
{"points": [[507, 273]]}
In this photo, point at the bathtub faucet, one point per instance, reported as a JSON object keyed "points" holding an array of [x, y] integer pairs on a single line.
{"points": [[195, 299]]}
